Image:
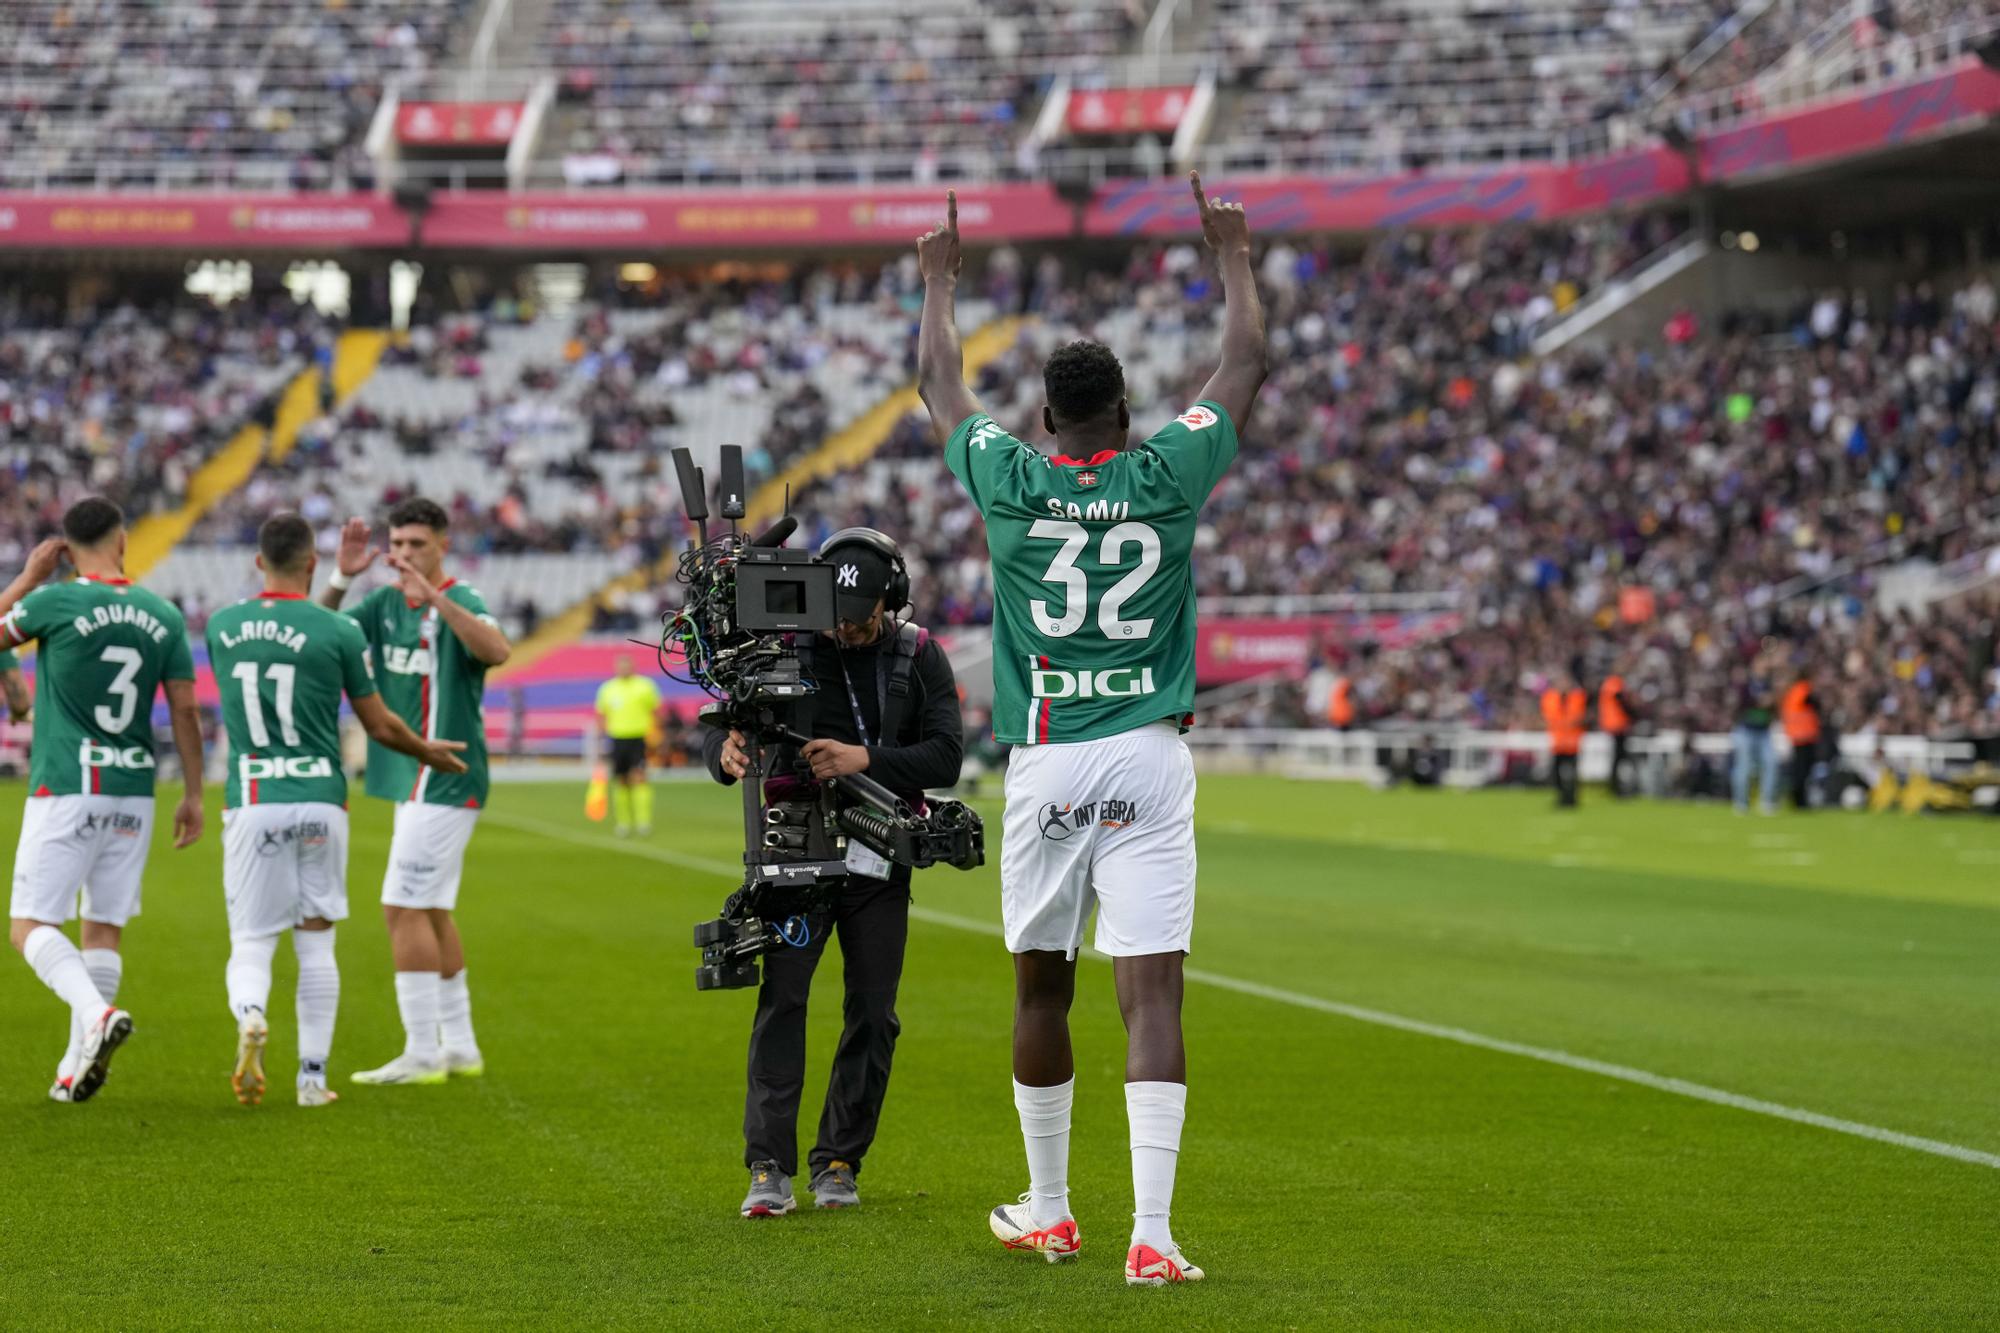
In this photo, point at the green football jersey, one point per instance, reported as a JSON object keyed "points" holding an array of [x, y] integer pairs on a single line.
{"points": [[428, 679], [281, 663], [105, 647], [1093, 585]]}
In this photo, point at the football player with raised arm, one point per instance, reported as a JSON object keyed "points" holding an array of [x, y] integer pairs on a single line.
{"points": [[107, 649], [431, 640], [1094, 674]]}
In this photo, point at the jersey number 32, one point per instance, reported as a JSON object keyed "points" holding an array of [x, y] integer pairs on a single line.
{"points": [[1075, 583]]}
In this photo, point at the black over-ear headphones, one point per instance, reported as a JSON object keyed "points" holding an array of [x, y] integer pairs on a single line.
{"points": [[897, 595]]}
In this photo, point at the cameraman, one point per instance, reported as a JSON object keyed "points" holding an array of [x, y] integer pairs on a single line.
{"points": [[887, 706]]}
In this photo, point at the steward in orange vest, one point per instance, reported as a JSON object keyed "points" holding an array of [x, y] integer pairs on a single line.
{"points": [[1565, 710]]}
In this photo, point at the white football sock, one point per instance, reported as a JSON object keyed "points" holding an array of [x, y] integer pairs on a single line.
{"points": [[59, 965], [107, 970], [248, 975], [417, 999], [455, 1014], [317, 1002], [1045, 1130], [1156, 1112]]}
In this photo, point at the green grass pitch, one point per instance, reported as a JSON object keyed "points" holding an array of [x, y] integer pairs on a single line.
{"points": [[1335, 1173]]}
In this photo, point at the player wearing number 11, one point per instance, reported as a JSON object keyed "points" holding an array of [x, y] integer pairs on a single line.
{"points": [[1093, 669]]}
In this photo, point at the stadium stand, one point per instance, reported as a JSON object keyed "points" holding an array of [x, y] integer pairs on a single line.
{"points": [[128, 400], [818, 91], [1430, 81], [242, 94], [547, 435]]}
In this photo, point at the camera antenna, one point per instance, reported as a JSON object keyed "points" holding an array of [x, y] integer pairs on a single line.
{"points": [[733, 507], [694, 492]]}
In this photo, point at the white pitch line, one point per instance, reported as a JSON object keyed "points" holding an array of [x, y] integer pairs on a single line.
{"points": [[1678, 1087]]}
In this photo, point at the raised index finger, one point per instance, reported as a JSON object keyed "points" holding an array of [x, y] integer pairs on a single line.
{"points": [[951, 210], [1194, 183]]}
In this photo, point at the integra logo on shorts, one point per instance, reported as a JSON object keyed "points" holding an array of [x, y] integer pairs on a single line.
{"points": [[306, 833], [119, 825], [1059, 822], [1110, 683]]}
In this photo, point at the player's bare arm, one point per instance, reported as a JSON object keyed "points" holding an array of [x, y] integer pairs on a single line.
{"points": [[42, 562], [485, 642], [385, 728], [187, 743], [15, 685], [355, 554], [1245, 355], [940, 361]]}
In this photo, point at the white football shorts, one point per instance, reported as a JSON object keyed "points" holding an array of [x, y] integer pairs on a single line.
{"points": [[1106, 823], [282, 864], [427, 855], [93, 844]]}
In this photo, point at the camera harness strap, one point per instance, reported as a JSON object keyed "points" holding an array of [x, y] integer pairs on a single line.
{"points": [[892, 687]]}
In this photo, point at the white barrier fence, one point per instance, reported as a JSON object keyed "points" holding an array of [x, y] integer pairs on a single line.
{"points": [[1475, 758]]}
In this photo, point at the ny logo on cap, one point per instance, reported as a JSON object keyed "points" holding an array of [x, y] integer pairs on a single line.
{"points": [[850, 576]]}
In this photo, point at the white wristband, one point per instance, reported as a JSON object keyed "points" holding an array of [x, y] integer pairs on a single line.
{"points": [[339, 582]]}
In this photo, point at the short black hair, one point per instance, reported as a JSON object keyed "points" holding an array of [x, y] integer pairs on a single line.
{"points": [[1083, 380], [416, 509], [286, 542], [90, 520]]}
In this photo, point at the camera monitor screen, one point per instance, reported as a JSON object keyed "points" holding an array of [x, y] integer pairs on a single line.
{"points": [[784, 597]]}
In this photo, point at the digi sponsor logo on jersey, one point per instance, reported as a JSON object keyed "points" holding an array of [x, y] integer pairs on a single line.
{"points": [[1110, 683], [272, 768], [1061, 822], [400, 661], [96, 754]]}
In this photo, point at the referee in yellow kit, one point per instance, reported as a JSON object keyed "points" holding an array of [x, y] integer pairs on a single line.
{"points": [[629, 704]]}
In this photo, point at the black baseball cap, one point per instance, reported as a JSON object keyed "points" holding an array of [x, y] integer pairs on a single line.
{"points": [[861, 577]]}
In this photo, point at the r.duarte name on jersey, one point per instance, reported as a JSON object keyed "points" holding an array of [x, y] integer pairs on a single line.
{"points": [[1097, 511], [270, 631], [121, 613]]}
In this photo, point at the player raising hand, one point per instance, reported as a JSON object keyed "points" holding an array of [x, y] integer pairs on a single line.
{"points": [[1094, 672]]}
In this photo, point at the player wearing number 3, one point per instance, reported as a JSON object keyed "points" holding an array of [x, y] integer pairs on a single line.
{"points": [[106, 649], [1093, 666]]}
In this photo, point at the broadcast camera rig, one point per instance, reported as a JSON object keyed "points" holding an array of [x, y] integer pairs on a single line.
{"points": [[744, 635]]}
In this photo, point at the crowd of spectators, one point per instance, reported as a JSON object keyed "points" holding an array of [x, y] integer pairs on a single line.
{"points": [[251, 93], [725, 93], [1790, 38], [127, 401]]}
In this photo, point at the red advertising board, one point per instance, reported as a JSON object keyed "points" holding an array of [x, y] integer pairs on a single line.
{"points": [[1233, 648], [200, 221], [1870, 122], [1113, 111], [468, 124], [636, 222]]}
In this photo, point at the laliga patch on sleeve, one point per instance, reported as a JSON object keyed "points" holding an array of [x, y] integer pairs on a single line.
{"points": [[1197, 417]]}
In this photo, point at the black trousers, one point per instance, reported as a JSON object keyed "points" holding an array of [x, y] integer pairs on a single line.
{"points": [[872, 918], [1621, 783], [1803, 758], [1565, 775]]}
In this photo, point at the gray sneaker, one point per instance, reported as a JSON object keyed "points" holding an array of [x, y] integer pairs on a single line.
{"points": [[833, 1186], [770, 1191]]}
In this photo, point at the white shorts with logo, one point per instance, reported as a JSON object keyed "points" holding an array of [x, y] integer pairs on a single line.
{"points": [[427, 855], [281, 864], [93, 844], [1106, 823]]}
